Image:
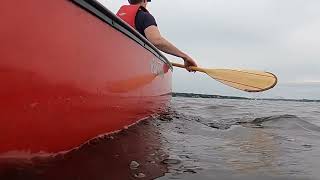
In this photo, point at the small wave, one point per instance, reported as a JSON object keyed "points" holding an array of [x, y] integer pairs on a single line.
{"points": [[273, 118], [286, 121], [220, 126], [217, 107], [171, 114]]}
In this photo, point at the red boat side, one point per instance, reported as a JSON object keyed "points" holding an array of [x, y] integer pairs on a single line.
{"points": [[71, 71]]}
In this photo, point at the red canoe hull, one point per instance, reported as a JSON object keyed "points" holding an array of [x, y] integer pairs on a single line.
{"points": [[67, 77]]}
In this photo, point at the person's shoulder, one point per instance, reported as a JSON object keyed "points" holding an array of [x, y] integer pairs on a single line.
{"points": [[145, 14], [146, 18]]}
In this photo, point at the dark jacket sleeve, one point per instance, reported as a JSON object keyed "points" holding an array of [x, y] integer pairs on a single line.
{"points": [[143, 21]]}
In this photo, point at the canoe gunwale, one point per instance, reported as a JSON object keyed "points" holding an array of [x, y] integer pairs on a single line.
{"points": [[110, 18]]}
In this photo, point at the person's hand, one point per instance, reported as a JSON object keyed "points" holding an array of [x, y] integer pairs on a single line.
{"points": [[188, 62]]}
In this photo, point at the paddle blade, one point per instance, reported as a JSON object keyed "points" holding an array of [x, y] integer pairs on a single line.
{"points": [[245, 80]]}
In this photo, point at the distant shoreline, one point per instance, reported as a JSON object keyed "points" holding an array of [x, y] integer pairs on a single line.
{"points": [[194, 95]]}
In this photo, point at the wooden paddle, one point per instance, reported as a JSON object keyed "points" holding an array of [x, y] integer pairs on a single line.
{"points": [[245, 80]]}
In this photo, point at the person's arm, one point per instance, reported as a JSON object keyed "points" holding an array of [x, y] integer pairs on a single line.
{"points": [[153, 35]]}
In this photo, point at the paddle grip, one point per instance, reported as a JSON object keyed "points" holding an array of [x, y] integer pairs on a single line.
{"points": [[192, 67]]}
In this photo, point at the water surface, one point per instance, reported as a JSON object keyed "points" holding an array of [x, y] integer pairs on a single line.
{"points": [[196, 138]]}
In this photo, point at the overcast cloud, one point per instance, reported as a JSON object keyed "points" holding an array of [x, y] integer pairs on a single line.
{"points": [[281, 36]]}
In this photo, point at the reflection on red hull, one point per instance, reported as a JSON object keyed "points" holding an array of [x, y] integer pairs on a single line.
{"points": [[66, 77], [102, 158]]}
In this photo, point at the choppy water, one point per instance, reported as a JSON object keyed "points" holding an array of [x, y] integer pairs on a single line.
{"points": [[196, 139], [228, 138]]}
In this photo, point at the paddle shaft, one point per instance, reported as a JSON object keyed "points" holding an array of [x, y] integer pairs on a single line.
{"points": [[192, 67]]}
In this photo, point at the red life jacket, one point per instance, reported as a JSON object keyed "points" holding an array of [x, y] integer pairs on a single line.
{"points": [[128, 13]]}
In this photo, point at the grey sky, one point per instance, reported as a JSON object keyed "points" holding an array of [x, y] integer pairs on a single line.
{"points": [[281, 36]]}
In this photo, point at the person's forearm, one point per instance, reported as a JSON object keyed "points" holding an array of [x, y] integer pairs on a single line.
{"points": [[169, 48], [153, 35]]}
